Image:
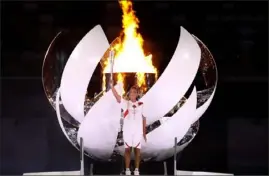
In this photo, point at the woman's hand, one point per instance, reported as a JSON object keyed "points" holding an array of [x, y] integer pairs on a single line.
{"points": [[111, 82]]}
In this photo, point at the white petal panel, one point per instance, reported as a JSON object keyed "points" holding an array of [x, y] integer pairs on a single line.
{"points": [[170, 152], [163, 137], [79, 69], [58, 113], [201, 110], [49, 48], [44, 61], [100, 127], [175, 80]]}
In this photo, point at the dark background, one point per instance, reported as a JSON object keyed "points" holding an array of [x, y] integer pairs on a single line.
{"points": [[233, 136]]}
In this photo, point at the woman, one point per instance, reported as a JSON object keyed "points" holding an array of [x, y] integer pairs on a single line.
{"points": [[134, 126]]}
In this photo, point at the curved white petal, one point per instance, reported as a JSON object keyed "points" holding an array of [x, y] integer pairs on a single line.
{"points": [[167, 153], [163, 137], [100, 127], [58, 113], [175, 80], [201, 110], [79, 69], [49, 48], [44, 61]]}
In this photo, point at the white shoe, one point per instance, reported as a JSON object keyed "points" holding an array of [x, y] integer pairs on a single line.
{"points": [[127, 172], [136, 172]]}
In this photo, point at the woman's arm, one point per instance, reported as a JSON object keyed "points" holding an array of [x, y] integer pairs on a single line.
{"points": [[115, 93], [144, 127]]}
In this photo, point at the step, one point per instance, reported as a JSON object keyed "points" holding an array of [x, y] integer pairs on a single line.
{"points": [[180, 172], [55, 173]]}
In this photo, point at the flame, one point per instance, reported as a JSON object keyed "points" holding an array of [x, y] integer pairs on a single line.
{"points": [[129, 53]]}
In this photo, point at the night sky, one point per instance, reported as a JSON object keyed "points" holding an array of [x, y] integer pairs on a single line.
{"points": [[233, 136]]}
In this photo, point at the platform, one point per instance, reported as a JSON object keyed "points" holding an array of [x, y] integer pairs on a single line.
{"points": [[55, 173], [179, 172]]}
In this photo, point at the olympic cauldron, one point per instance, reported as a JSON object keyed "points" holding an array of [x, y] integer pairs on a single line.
{"points": [[174, 102]]}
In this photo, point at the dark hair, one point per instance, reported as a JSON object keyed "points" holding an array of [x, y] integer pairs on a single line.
{"points": [[135, 87]]}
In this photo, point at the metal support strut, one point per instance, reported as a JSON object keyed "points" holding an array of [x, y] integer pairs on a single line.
{"points": [[175, 158], [81, 157], [165, 168], [91, 169]]}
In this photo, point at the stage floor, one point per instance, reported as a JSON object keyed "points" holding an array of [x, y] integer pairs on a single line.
{"points": [[179, 172]]}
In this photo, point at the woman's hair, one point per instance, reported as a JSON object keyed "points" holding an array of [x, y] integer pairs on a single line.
{"points": [[135, 87]]}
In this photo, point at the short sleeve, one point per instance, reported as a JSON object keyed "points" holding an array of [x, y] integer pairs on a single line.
{"points": [[123, 104]]}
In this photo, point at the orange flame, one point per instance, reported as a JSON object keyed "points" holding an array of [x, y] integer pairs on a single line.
{"points": [[129, 53]]}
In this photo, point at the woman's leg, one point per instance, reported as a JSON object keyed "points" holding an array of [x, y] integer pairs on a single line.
{"points": [[127, 138], [137, 158], [127, 157]]}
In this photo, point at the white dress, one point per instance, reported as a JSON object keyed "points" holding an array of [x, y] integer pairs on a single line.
{"points": [[133, 123]]}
